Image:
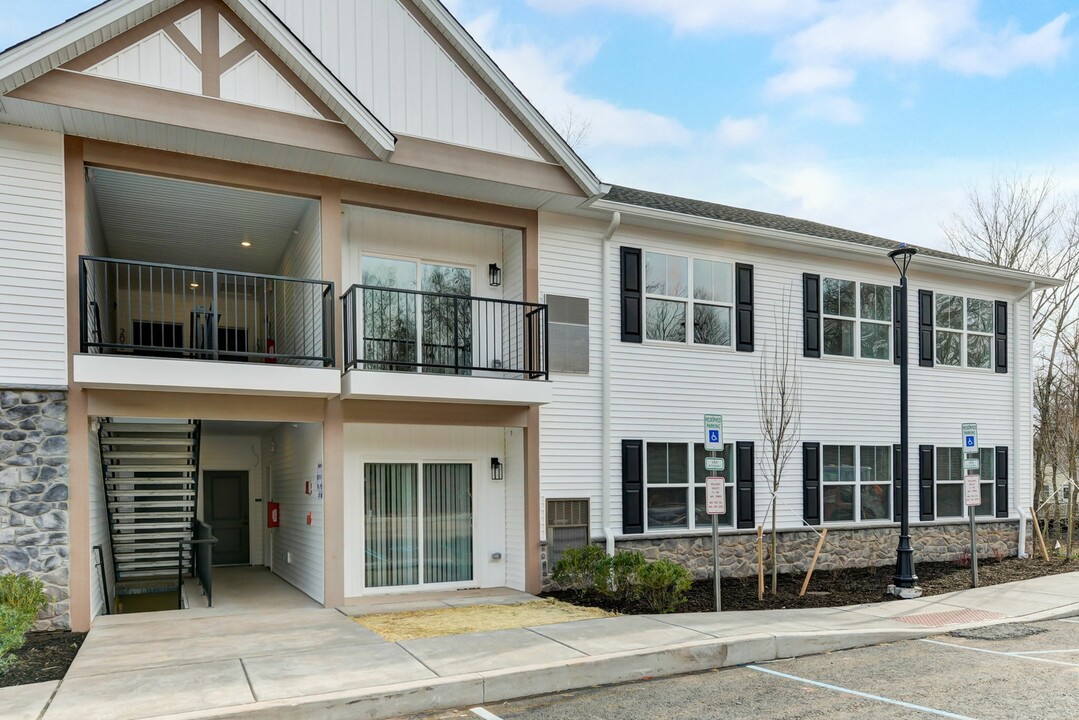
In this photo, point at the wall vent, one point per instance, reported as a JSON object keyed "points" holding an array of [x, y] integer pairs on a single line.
{"points": [[568, 317], [567, 527]]}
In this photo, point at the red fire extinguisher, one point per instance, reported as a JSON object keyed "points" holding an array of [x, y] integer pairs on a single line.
{"points": [[271, 349]]}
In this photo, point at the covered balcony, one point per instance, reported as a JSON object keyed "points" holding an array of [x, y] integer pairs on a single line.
{"points": [[202, 288]]}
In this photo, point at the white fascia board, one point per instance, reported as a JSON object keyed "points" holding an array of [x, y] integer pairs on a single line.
{"points": [[838, 248], [120, 372], [504, 87], [431, 387], [52, 48], [272, 31]]}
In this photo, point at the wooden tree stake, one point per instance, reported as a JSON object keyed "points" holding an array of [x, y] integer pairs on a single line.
{"points": [[1038, 532], [813, 562], [760, 562]]}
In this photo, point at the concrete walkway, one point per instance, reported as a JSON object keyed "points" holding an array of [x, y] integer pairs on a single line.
{"points": [[314, 662]]}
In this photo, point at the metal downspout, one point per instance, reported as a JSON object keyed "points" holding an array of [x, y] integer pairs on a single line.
{"points": [[605, 382], [1016, 430]]}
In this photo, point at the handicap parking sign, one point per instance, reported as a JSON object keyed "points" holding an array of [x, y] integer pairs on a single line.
{"points": [[713, 432], [970, 437], [713, 436]]}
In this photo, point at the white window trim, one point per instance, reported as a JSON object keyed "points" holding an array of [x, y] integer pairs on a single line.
{"points": [[964, 334], [990, 481], [858, 320], [690, 489], [858, 483], [689, 302]]}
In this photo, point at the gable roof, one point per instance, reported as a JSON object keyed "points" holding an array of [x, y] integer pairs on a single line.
{"points": [[49, 50], [675, 205]]}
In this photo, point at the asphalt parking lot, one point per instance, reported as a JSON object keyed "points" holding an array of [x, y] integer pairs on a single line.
{"points": [[1010, 671]]}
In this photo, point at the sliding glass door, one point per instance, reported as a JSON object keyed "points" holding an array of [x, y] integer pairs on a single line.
{"points": [[417, 524]]}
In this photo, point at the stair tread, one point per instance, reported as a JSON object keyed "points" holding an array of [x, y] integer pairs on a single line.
{"points": [[150, 440], [150, 493], [146, 427], [146, 454], [177, 468]]}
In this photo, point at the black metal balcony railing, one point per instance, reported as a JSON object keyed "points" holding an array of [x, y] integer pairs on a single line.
{"points": [[413, 330], [158, 310]]}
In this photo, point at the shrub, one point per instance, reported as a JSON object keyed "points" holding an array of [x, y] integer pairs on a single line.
{"points": [[579, 568], [21, 599], [623, 575], [662, 585]]}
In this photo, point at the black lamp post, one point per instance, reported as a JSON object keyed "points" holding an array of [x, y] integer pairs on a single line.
{"points": [[905, 581]]}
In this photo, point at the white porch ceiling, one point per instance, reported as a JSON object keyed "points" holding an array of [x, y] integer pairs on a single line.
{"points": [[163, 220]]}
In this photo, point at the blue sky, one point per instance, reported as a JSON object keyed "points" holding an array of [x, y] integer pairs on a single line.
{"points": [[871, 114]]}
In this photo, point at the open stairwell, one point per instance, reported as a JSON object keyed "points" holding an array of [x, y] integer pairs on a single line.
{"points": [[150, 470]]}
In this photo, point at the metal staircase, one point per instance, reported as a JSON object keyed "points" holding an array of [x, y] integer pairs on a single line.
{"points": [[150, 470]]}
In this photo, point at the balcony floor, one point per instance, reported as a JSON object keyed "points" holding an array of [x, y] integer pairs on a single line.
{"points": [[418, 386]]}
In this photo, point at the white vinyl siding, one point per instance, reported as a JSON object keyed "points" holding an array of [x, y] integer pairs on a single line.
{"points": [[293, 454], [301, 332], [390, 62], [659, 392], [33, 287]]}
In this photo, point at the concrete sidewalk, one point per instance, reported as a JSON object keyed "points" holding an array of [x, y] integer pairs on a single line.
{"points": [[318, 663]]}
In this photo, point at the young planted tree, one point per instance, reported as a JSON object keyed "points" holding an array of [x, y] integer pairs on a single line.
{"points": [[779, 410]]}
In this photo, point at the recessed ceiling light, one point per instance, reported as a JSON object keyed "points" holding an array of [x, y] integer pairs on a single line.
{"points": [[194, 285], [246, 243]]}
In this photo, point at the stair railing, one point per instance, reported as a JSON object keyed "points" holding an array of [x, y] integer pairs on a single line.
{"points": [[202, 561]]}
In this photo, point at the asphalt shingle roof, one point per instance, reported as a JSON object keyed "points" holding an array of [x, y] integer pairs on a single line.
{"points": [[755, 218]]}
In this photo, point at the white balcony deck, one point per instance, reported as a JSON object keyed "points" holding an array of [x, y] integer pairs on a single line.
{"points": [[434, 387], [126, 372]]}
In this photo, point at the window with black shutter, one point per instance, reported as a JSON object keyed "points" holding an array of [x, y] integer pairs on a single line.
{"points": [[743, 293], [811, 483], [631, 301], [925, 483], [632, 486], [925, 328], [1000, 337], [811, 315], [744, 486], [1002, 481]]}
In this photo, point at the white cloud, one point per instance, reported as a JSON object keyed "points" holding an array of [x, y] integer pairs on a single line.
{"points": [[1008, 50], [544, 75], [807, 81], [834, 109], [702, 15], [737, 132]]}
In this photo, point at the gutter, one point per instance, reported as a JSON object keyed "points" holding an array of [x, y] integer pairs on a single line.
{"points": [[1016, 431], [605, 381]]}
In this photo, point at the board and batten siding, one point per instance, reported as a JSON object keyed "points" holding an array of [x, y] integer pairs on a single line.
{"points": [[33, 329], [293, 454], [99, 531], [660, 391], [392, 64], [493, 530]]}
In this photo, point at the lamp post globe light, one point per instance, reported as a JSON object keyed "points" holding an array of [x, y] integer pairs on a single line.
{"points": [[905, 582]]}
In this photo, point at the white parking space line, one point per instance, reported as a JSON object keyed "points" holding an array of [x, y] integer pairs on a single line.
{"points": [[997, 652], [1044, 652], [1067, 620], [485, 714], [857, 693]]}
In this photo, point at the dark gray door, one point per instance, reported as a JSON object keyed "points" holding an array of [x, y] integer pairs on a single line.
{"points": [[227, 514]]}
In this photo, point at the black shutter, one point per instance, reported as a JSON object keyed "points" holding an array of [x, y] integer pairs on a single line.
{"points": [[897, 478], [1000, 462], [811, 315], [632, 301], [811, 483], [925, 328], [925, 483], [1000, 337], [743, 297], [632, 487], [744, 485], [897, 308]]}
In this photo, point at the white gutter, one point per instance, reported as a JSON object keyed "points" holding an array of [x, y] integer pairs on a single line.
{"points": [[1016, 430], [605, 382]]}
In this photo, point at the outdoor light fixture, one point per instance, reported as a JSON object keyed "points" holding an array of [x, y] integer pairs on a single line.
{"points": [[495, 273], [496, 469], [246, 243], [905, 582], [194, 285]]}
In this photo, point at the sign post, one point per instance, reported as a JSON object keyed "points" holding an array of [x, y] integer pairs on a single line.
{"points": [[715, 495], [972, 490]]}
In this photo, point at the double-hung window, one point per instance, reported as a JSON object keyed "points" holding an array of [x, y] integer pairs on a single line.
{"points": [[675, 486], [964, 334], [856, 481], [857, 319], [680, 289], [949, 482]]}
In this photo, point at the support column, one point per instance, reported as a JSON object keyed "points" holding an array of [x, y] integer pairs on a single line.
{"points": [[532, 499], [333, 427]]}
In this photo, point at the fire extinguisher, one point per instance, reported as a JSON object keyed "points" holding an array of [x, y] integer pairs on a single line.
{"points": [[271, 348]]}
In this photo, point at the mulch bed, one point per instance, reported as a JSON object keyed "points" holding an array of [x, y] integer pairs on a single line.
{"points": [[833, 588], [45, 656]]}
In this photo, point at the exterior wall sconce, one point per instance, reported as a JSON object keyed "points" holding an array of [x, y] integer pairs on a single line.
{"points": [[496, 469], [495, 274]]}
